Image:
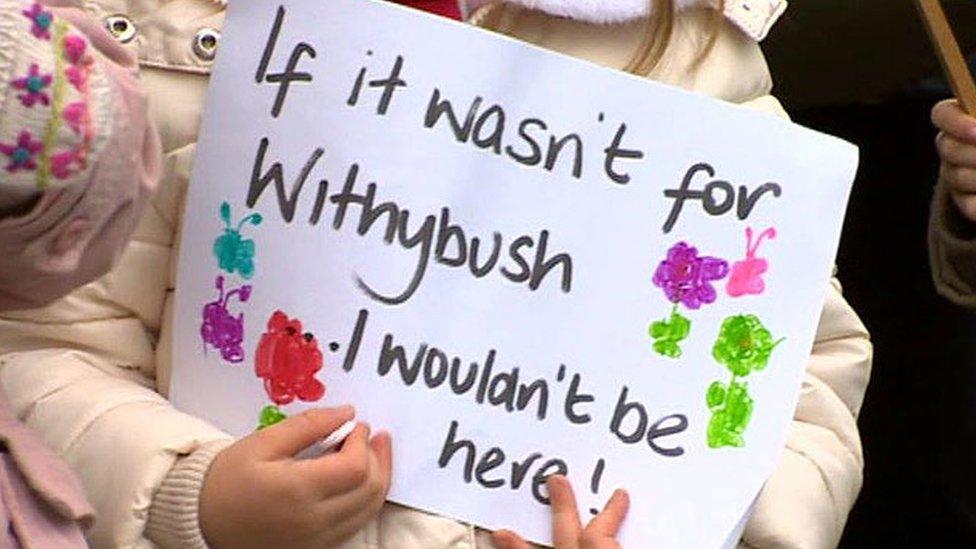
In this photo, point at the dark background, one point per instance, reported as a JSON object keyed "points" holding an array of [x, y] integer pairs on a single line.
{"points": [[857, 69]]}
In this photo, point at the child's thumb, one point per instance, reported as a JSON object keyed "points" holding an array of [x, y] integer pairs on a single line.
{"points": [[291, 436]]}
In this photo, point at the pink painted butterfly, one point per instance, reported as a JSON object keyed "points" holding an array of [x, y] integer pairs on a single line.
{"points": [[746, 278]]}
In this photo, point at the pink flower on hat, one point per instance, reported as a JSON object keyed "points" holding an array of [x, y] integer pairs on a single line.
{"points": [[41, 21], [33, 85], [22, 153], [62, 163], [74, 48], [77, 77], [76, 116]]}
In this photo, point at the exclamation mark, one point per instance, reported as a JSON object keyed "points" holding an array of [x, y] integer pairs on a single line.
{"points": [[595, 482]]}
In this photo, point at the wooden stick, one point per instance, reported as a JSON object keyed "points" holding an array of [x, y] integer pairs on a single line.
{"points": [[950, 55]]}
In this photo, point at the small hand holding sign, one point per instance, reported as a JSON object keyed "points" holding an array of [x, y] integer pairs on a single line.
{"points": [[957, 150], [567, 531], [258, 494]]}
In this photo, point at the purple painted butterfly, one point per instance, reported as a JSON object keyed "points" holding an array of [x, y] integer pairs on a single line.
{"points": [[222, 330]]}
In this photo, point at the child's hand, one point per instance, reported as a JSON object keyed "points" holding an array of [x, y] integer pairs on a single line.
{"points": [[567, 532], [257, 494], [957, 148]]}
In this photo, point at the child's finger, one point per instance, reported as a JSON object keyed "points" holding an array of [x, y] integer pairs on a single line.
{"points": [[347, 469], [966, 204], [566, 525], [291, 436], [949, 117], [366, 499], [961, 180], [954, 151], [382, 448], [607, 523], [352, 521], [506, 539]]}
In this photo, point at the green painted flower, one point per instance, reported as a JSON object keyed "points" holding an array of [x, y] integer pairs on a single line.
{"points": [[743, 345], [269, 416], [731, 408], [667, 334]]}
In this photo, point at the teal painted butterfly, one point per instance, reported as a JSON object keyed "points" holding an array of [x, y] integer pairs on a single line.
{"points": [[233, 252]]}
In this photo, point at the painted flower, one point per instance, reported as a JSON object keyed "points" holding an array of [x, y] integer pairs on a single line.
{"points": [[687, 278], [731, 408], [743, 345], [287, 360], [21, 154], [41, 21], [33, 85], [270, 415], [668, 334]]}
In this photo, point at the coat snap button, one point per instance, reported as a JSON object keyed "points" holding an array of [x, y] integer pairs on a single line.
{"points": [[205, 44], [121, 27]]}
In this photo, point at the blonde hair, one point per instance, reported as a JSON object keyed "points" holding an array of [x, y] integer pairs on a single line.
{"points": [[658, 30]]}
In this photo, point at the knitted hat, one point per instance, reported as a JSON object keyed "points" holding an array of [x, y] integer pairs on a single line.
{"points": [[53, 100], [78, 155]]}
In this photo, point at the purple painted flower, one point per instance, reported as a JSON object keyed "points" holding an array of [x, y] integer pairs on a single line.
{"points": [[686, 277], [21, 153], [33, 85], [41, 21]]}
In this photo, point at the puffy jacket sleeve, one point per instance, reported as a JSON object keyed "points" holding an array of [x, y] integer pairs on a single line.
{"points": [[76, 380], [78, 154], [806, 501], [952, 250]]}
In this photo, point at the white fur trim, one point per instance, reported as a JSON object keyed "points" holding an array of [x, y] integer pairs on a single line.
{"points": [[601, 11], [754, 17]]}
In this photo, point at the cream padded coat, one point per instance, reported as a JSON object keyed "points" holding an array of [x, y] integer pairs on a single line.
{"points": [[85, 371]]}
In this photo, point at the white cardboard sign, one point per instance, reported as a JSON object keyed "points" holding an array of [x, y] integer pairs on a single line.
{"points": [[516, 262]]}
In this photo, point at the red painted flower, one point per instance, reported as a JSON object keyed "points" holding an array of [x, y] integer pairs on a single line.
{"points": [[41, 21], [21, 153], [33, 85], [287, 360]]}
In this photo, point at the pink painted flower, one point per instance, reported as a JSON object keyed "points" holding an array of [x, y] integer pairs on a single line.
{"points": [[33, 85], [76, 116], [62, 164], [41, 21], [21, 153], [74, 49]]}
